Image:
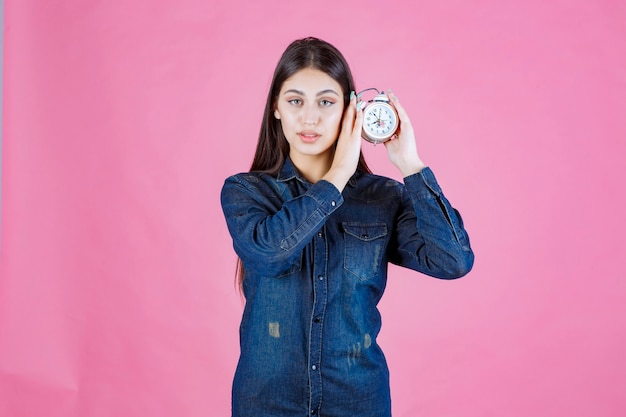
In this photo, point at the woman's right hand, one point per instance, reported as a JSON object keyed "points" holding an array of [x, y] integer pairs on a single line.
{"points": [[348, 148]]}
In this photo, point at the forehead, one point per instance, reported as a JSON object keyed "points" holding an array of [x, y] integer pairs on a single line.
{"points": [[311, 81]]}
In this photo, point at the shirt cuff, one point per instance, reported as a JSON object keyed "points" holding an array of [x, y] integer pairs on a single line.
{"points": [[326, 195], [423, 184]]}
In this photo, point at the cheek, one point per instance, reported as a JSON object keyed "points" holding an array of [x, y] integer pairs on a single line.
{"points": [[334, 119], [286, 119]]}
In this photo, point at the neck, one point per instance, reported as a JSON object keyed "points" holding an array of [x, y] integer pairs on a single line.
{"points": [[313, 167]]}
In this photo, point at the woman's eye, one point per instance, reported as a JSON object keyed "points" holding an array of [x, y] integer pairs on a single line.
{"points": [[326, 103], [295, 101]]}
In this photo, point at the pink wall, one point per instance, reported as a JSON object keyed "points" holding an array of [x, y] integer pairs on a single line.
{"points": [[122, 119]]}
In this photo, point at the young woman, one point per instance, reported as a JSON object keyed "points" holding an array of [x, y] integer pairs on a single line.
{"points": [[314, 231]]}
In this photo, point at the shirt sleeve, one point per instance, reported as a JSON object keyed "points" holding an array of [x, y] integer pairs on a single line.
{"points": [[429, 236], [267, 231]]}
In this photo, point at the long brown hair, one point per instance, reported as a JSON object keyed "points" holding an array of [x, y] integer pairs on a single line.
{"points": [[272, 148]]}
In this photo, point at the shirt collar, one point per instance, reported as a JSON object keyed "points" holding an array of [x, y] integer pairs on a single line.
{"points": [[289, 172]]}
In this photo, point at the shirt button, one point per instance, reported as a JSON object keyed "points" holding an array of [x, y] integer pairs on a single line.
{"points": [[317, 319], [314, 367], [333, 203], [320, 234], [313, 412], [321, 277]]}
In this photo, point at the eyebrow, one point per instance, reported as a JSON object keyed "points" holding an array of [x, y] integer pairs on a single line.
{"points": [[321, 93]]}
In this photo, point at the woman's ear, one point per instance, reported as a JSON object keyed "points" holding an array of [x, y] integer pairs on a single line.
{"points": [[277, 114]]}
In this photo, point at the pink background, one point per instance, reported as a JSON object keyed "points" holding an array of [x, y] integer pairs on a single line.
{"points": [[122, 119]]}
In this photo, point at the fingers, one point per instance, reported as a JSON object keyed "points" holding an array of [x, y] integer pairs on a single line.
{"points": [[353, 117], [402, 114], [348, 115], [348, 149], [358, 122]]}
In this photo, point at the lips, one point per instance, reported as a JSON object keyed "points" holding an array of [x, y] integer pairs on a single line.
{"points": [[308, 137]]}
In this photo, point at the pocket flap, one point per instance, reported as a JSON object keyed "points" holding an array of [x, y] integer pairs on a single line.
{"points": [[365, 231]]}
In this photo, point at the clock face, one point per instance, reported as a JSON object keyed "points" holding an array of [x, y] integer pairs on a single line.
{"points": [[380, 121]]}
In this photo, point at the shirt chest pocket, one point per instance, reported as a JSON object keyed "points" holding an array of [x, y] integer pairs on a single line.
{"points": [[364, 248]]}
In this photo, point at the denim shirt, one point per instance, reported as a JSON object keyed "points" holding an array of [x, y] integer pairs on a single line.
{"points": [[315, 264]]}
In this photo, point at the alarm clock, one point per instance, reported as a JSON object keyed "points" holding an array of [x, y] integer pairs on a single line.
{"points": [[380, 119]]}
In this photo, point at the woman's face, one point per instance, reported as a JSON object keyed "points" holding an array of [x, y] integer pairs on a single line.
{"points": [[310, 107]]}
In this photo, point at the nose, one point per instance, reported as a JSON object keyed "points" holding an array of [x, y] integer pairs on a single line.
{"points": [[310, 114]]}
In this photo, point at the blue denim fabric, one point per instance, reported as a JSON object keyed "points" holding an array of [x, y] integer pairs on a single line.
{"points": [[315, 268]]}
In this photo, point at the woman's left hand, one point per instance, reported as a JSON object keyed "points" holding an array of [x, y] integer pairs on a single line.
{"points": [[401, 148]]}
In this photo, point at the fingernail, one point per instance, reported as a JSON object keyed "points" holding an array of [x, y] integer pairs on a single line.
{"points": [[352, 94], [362, 105]]}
